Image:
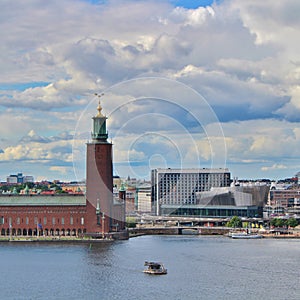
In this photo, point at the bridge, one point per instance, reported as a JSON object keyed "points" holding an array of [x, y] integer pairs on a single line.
{"points": [[178, 230], [174, 225], [193, 221]]}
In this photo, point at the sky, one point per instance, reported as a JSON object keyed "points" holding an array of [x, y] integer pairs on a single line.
{"points": [[186, 84]]}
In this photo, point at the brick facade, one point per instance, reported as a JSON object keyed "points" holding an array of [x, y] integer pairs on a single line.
{"points": [[97, 213]]}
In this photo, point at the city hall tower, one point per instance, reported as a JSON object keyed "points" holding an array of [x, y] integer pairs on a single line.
{"points": [[99, 174]]}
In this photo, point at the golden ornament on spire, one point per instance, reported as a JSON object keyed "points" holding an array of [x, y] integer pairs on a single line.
{"points": [[99, 108]]}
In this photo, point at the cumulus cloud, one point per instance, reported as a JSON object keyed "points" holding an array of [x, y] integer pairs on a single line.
{"points": [[39, 149], [33, 137], [241, 56], [191, 17]]}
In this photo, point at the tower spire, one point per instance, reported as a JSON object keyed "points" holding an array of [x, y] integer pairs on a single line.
{"points": [[99, 108]]}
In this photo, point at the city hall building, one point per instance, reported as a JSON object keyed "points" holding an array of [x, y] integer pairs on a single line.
{"points": [[97, 213]]}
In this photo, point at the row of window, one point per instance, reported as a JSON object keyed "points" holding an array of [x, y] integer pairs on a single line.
{"points": [[40, 221], [202, 212], [192, 182], [194, 176]]}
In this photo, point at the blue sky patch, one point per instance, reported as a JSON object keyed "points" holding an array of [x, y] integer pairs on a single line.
{"points": [[22, 86], [183, 3], [191, 3]]}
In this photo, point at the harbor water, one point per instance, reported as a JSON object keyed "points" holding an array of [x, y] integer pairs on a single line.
{"points": [[199, 267]]}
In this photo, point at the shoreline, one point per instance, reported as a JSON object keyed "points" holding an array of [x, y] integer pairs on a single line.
{"points": [[282, 236], [87, 240], [53, 240]]}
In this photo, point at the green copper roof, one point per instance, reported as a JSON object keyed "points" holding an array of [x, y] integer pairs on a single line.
{"points": [[122, 187], [99, 125]]}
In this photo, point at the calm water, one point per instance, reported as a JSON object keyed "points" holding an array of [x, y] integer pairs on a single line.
{"points": [[198, 268]]}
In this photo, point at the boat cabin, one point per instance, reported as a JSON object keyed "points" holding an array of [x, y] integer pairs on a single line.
{"points": [[155, 268]]}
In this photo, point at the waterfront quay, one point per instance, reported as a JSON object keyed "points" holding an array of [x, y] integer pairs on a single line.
{"points": [[159, 225], [198, 230], [20, 240]]}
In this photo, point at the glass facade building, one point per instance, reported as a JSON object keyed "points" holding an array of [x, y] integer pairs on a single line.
{"points": [[178, 187]]}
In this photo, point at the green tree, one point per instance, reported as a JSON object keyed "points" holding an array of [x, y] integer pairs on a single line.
{"points": [[17, 187], [292, 222], [30, 184], [277, 222], [235, 222], [42, 187], [273, 222], [55, 187], [130, 222], [280, 222], [4, 188]]}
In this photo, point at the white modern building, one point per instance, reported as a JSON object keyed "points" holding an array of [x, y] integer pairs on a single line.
{"points": [[19, 178], [243, 201], [177, 187]]}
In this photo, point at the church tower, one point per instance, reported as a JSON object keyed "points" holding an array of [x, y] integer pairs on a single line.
{"points": [[99, 175]]}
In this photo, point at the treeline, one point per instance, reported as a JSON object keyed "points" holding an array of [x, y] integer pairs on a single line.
{"points": [[31, 186], [236, 222], [279, 222]]}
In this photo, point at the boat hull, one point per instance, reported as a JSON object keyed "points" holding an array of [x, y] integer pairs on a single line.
{"points": [[246, 236], [151, 272]]}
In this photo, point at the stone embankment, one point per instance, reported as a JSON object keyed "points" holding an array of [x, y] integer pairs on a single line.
{"points": [[35, 239], [165, 230]]}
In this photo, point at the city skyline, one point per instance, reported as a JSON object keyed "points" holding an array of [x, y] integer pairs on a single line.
{"points": [[11, 179], [186, 84]]}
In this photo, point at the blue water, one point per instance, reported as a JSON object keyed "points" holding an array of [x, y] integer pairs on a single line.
{"points": [[198, 268]]}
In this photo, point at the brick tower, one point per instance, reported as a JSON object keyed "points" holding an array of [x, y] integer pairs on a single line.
{"points": [[99, 176]]}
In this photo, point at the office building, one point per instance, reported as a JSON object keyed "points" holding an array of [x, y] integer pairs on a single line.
{"points": [[172, 188]]}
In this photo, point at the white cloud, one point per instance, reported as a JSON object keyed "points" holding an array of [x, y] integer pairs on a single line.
{"points": [[274, 167], [242, 56], [193, 17], [62, 170], [39, 149], [269, 21], [262, 139]]}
